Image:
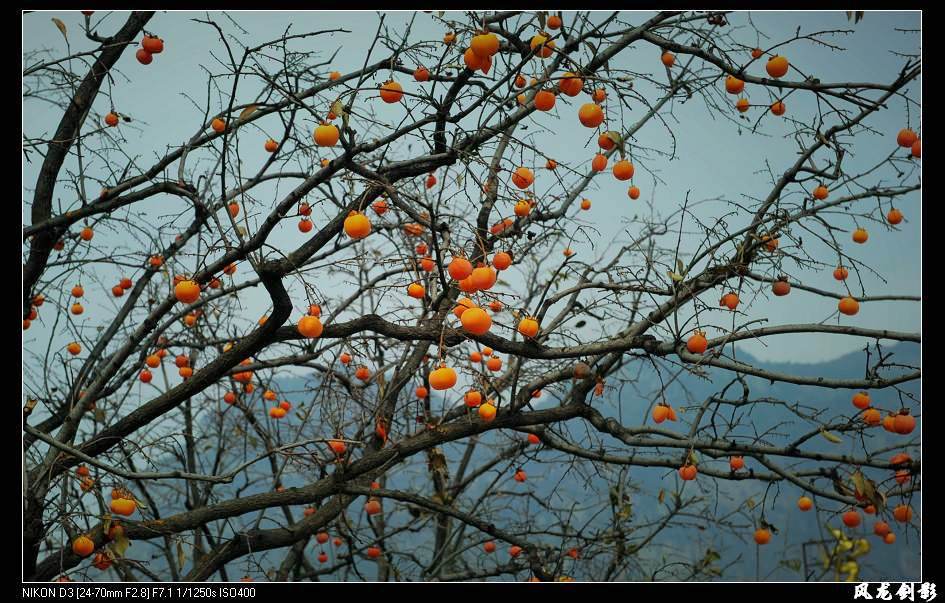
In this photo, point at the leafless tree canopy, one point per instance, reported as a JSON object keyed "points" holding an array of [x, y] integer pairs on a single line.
{"points": [[368, 471]]}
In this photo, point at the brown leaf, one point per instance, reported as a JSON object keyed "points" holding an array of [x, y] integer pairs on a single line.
{"points": [[248, 111], [181, 554], [62, 28]]}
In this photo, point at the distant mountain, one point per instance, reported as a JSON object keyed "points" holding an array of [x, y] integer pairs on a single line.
{"points": [[555, 480]]}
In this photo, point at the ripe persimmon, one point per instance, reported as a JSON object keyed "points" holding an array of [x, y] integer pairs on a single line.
{"points": [[391, 92], [804, 503], [591, 115], [688, 472], [733, 85], [872, 417], [697, 343], [528, 327], [623, 170], [326, 135], [487, 412], [729, 300], [476, 321], [442, 378], [742, 105], [894, 216], [904, 423], [83, 546], [542, 45], [144, 57], [421, 74], [523, 177], [416, 290], [545, 100], [310, 326], [459, 268], [860, 235], [861, 400], [633, 192], [152, 44], [485, 44], [187, 291], [848, 306], [494, 364], [570, 84], [762, 536], [668, 59], [903, 513], [502, 260], [906, 137], [357, 225], [777, 66], [840, 273], [780, 287], [778, 108], [851, 519], [472, 398], [111, 119], [599, 163]]}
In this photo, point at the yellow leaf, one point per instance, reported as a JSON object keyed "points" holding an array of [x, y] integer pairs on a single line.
{"points": [[338, 107], [120, 544], [248, 111], [181, 554], [674, 276], [61, 26], [830, 437]]}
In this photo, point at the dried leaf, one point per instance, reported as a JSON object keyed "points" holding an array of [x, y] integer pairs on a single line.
{"points": [[662, 495], [675, 277], [337, 107], [62, 28], [120, 544], [181, 554], [680, 267], [248, 111]]}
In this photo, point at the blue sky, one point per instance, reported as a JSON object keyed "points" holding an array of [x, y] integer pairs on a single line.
{"points": [[713, 157]]}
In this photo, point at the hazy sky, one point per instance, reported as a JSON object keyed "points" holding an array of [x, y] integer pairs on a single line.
{"points": [[713, 157]]}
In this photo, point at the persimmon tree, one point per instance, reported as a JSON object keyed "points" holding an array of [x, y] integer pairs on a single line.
{"points": [[448, 380]]}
